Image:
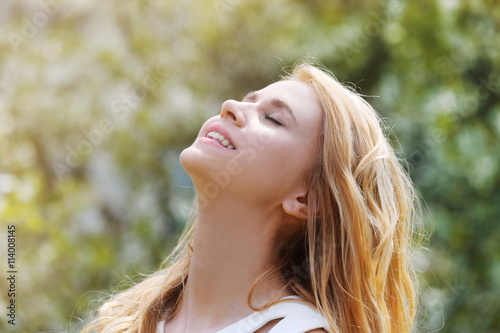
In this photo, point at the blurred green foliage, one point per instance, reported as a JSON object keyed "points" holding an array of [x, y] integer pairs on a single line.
{"points": [[97, 99]]}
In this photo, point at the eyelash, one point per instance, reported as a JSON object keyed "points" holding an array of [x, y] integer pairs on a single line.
{"points": [[274, 121]]}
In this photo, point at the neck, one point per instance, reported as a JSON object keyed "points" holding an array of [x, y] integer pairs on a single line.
{"points": [[234, 244]]}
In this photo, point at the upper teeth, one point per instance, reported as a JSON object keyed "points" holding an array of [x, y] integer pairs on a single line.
{"points": [[221, 138]]}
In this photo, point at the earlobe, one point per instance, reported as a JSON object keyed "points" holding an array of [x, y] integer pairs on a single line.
{"points": [[296, 207]]}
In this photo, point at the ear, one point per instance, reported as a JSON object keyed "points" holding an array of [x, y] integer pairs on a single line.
{"points": [[296, 205]]}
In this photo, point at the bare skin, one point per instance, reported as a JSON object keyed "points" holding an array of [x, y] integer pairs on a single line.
{"points": [[250, 198]]}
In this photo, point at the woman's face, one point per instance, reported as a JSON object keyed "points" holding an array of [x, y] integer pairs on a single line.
{"points": [[272, 137]]}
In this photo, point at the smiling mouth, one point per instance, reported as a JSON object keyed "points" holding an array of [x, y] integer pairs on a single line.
{"points": [[214, 135]]}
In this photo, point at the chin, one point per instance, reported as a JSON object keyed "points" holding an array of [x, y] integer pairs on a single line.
{"points": [[194, 163], [189, 158]]}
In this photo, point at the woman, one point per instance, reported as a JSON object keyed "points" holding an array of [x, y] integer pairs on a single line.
{"points": [[302, 222]]}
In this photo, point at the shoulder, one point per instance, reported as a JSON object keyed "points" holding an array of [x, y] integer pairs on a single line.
{"points": [[305, 316]]}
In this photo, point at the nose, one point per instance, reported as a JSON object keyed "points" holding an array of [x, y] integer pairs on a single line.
{"points": [[231, 110]]}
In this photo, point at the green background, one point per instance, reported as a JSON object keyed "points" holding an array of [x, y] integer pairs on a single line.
{"points": [[98, 98]]}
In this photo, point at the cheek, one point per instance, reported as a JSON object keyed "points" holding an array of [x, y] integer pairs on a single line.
{"points": [[291, 161], [276, 163]]}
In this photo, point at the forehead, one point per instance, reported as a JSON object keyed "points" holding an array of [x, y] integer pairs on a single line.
{"points": [[290, 90], [298, 95]]}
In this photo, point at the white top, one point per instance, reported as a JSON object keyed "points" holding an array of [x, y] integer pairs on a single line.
{"points": [[297, 318]]}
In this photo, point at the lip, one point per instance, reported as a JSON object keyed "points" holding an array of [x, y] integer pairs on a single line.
{"points": [[222, 130]]}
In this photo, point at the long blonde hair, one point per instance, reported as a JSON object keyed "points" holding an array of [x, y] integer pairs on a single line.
{"points": [[351, 258]]}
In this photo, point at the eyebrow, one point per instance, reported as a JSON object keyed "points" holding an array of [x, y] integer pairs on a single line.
{"points": [[251, 97], [276, 102]]}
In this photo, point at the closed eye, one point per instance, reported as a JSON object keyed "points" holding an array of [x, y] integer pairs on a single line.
{"points": [[273, 120]]}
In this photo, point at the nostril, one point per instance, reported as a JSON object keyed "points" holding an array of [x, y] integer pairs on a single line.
{"points": [[232, 115]]}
